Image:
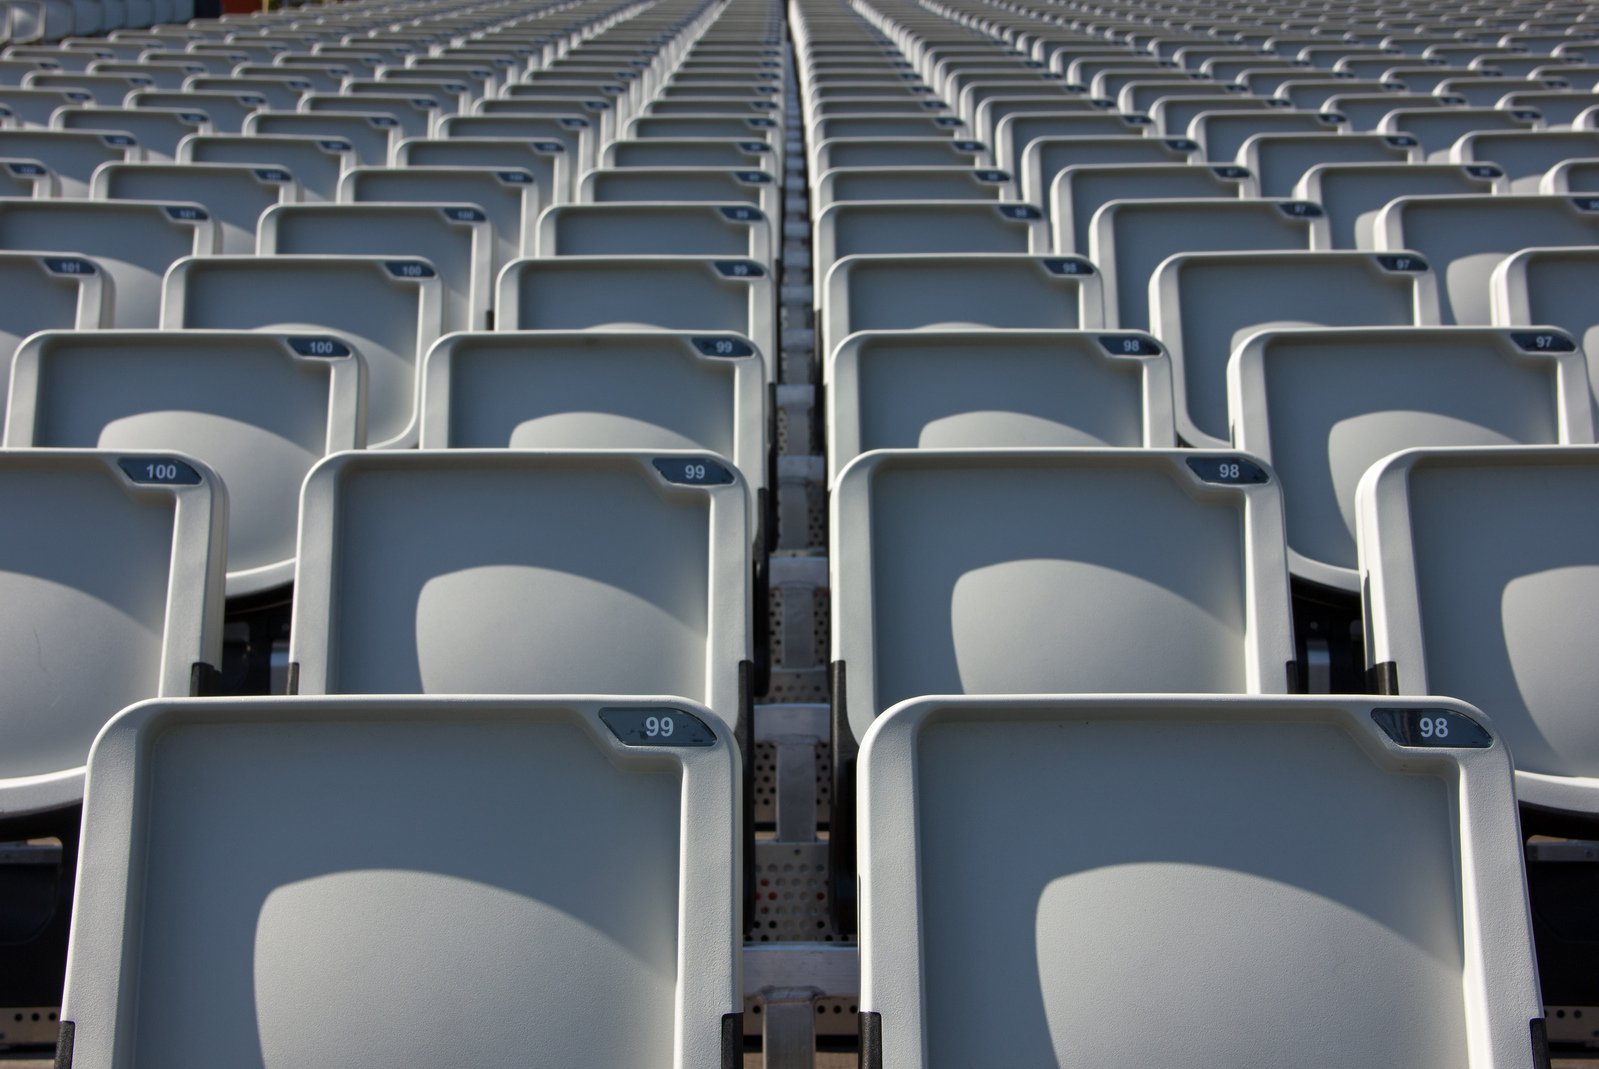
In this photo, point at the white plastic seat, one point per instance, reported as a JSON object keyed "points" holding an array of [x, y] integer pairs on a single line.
{"points": [[316, 163], [371, 135], [1204, 305], [1178, 585], [1524, 155], [1025, 860], [1479, 566], [1279, 161], [956, 290], [659, 228], [1322, 406], [600, 390], [958, 389], [236, 195], [508, 196], [283, 844], [456, 239], [1079, 191], [228, 111], [1437, 129], [47, 291], [1552, 286], [20, 177], [1128, 239], [912, 183], [699, 184], [703, 294], [886, 227], [1221, 134], [1465, 238], [1580, 175], [414, 114], [158, 131], [107, 90], [32, 108], [924, 151], [133, 243], [513, 571], [389, 308], [282, 93], [547, 161], [1015, 133], [1045, 157], [689, 152], [72, 155], [575, 132], [111, 565], [1559, 108], [1354, 194], [258, 409], [1366, 111], [1172, 115]]}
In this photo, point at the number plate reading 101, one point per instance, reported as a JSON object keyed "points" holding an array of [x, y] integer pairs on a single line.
{"points": [[1432, 727], [657, 727]]}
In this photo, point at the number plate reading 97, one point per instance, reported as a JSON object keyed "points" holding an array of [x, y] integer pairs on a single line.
{"points": [[657, 727]]}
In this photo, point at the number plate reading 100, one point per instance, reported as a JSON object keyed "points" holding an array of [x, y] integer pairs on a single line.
{"points": [[657, 727], [161, 471], [1432, 727]]}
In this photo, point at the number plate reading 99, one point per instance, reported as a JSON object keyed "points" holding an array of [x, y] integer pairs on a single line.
{"points": [[657, 727]]}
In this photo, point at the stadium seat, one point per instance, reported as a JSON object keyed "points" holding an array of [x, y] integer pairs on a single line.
{"points": [[1172, 115], [1079, 191], [112, 568], [742, 153], [1353, 194], [1579, 175], [510, 571], [32, 108], [1524, 155], [1017, 132], [1128, 239], [960, 389], [659, 228], [1437, 129], [1204, 305], [236, 195], [703, 294], [259, 409], [547, 161], [952, 290], [389, 308], [1366, 111], [1221, 134], [1479, 568], [282, 843], [922, 151], [107, 90], [1552, 286], [371, 135], [1045, 157], [316, 163], [456, 239], [911, 183], [72, 155], [1279, 161], [414, 114], [1465, 238], [1322, 406], [27, 178], [571, 131], [157, 130], [1005, 912], [227, 111], [721, 185], [883, 227], [45, 292], [1559, 108], [599, 389], [132, 242], [508, 196]]}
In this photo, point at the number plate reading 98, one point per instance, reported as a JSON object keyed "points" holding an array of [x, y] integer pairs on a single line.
{"points": [[657, 727], [1432, 727]]}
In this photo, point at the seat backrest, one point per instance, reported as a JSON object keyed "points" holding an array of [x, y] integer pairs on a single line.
{"points": [[259, 409], [45, 292], [508, 196], [911, 183], [1465, 238], [1553, 287], [1221, 134], [884, 227], [963, 389], [658, 228], [20, 177], [414, 113], [1572, 176], [1079, 191], [456, 239], [72, 155], [923, 151], [132, 242], [952, 290], [1279, 161], [388, 308], [688, 152], [1558, 107], [1178, 586], [345, 853], [1354, 194], [1045, 157], [547, 161], [1525, 155], [1204, 305], [227, 111], [598, 390], [1366, 111], [701, 184], [235, 195], [370, 134], [32, 108], [994, 877], [316, 163], [157, 130], [703, 294], [1172, 115], [111, 571], [1324, 405], [1016, 132], [523, 572], [1480, 570], [1437, 129], [1128, 239]]}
